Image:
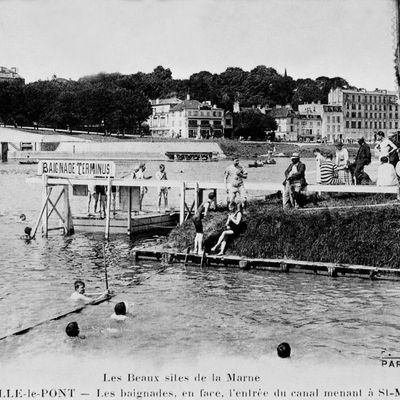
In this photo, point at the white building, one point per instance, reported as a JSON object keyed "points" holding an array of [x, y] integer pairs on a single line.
{"points": [[366, 112], [8, 74], [186, 119], [331, 119]]}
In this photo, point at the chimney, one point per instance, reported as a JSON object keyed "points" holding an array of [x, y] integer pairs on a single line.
{"points": [[14, 69]]}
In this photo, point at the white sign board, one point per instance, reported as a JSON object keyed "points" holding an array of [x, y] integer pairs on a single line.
{"points": [[90, 168]]}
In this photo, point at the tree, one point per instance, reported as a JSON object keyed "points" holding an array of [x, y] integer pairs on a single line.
{"points": [[252, 123]]}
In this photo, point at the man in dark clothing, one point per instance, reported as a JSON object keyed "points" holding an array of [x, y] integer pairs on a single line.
{"points": [[294, 183], [363, 158]]}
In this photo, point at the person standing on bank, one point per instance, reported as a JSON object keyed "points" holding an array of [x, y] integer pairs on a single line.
{"points": [[386, 148], [234, 176], [161, 175], [363, 158], [294, 182], [319, 159], [342, 163]]}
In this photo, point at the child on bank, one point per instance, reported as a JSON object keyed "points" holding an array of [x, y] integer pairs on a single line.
{"points": [[198, 223], [80, 295]]}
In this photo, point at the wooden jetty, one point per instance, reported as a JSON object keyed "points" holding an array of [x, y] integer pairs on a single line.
{"points": [[130, 188], [334, 270]]}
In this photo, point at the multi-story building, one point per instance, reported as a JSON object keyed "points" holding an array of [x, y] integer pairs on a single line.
{"points": [[287, 122], [159, 120], [331, 120], [8, 74], [187, 119], [309, 127], [366, 112]]}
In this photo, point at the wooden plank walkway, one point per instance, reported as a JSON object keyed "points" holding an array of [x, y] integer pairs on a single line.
{"points": [[279, 265]]}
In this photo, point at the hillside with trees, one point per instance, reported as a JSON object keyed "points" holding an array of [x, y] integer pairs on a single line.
{"points": [[120, 103]]}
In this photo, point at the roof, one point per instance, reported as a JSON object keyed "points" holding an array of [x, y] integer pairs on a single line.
{"points": [[160, 102], [187, 104], [309, 116], [331, 108], [281, 112]]}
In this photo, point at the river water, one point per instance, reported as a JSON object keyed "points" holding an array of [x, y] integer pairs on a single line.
{"points": [[179, 313]]}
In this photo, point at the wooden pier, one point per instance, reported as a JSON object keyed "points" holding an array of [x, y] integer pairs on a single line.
{"points": [[333, 270], [62, 183]]}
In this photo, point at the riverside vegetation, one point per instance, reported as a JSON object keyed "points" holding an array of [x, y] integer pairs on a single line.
{"points": [[361, 235]]}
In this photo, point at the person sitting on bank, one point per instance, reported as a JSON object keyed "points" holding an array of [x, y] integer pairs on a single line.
{"points": [[294, 183], [232, 227], [386, 174], [329, 172], [80, 295], [201, 212]]}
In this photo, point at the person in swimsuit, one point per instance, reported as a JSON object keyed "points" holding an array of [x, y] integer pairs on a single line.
{"points": [[233, 226], [201, 212]]}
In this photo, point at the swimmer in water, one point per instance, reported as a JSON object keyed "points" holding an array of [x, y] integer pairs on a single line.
{"points": [[120, 311], [27, 236], [284, 350], [72, 330], [80, 295], [22, 218]]}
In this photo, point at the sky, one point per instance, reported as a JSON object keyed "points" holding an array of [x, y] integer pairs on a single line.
{"points": [[353, 39]]}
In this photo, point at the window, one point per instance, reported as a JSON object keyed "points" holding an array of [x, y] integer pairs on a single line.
{"points": [[359, 115], [329, 119], [347, 124], [353, 124], [338, 119], [359, 125]]}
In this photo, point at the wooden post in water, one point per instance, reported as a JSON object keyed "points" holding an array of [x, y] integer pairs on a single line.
{"points": [[182, 204], [45, 197], [108, 208], [129, 210], [69, 225], [196, 197]]}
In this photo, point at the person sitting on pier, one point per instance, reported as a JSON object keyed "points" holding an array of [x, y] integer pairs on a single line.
{"points": [[161, 175], [234, 176], [329, 172], [80, 295], [201, 212], [232, 228], [101, 195], [386, 174], [294, 183]]}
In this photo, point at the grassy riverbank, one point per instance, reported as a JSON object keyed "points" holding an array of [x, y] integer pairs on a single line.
{"points": [[357, 235]]}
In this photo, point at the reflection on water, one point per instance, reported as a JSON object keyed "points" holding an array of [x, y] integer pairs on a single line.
{"points": [[178, 312]]}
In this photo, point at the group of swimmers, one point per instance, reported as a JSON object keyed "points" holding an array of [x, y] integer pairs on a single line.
{"points": [[80, 295]]}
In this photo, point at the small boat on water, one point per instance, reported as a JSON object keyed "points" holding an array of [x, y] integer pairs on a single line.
{"points": [[28, 162], [257, 164]]}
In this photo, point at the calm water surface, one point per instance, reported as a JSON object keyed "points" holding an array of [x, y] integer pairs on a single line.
{"points": [[178, 313]]}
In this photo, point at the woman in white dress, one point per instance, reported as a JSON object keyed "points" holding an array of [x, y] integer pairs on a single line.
{"points": [[342, 162]]}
